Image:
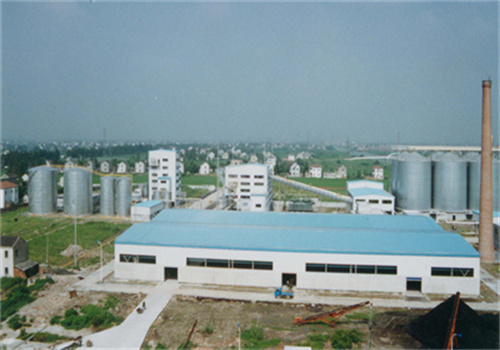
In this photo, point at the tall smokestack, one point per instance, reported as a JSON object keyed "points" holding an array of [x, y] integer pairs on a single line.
{"points": [[486, 203]]}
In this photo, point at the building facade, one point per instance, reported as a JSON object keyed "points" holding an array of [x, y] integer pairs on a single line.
{"points": [[315, 171], [312, 251], [250, 186], [105, 167], [122, 168], [9, 194], [140, 167], [14, 258], [204, 169], [294, 170], [164, 176], [378, 172], [369, 197]]}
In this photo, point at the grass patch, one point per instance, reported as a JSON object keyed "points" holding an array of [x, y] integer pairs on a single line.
{"points": [[16, 322], [345, 339], [19, 296], [42, 337], [253, 338], [7, 283], [199, 180]]}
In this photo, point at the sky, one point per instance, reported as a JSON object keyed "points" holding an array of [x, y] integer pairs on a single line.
{"points": [[371, 72]]}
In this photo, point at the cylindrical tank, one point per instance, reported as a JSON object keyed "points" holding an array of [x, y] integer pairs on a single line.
{"points": [[77, 191], [145, 190], [123, 196], [413, 184], [473, 180], [449, 183], [42, 190], [107, 195], [394, 174]]}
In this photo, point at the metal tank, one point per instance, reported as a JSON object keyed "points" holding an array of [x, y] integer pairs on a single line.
{"points": [[77, 191], [394, 173], [414, 182], [449, 183], [42, 190], [123, 196], [473, 180], [107, 196]]}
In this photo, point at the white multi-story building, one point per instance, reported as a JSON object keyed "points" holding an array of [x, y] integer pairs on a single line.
{"points": [[140, 167], [122, 168], [315, 171], [164, 176], [105, 167], [378, 172], [253, 158], [9, 194], [294, 170], [204, 169], [250, 186]]}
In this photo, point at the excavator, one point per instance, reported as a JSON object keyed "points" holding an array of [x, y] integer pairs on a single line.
{"points": [[330, 317]]}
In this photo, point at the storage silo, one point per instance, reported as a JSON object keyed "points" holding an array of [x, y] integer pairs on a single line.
{"points": [[77, 191], [394, 173], [42, 190], [473, 180], [123, 196], [414, 182], [107, 195], [449, 183]]}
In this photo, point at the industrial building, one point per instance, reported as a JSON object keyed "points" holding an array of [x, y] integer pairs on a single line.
{"points": [[382, 253], [250, 186], [369, 197], [145, 211], [164, 176]]}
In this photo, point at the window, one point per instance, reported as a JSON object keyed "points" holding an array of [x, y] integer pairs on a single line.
{"points": [[245, 197], [360, 200], [387, 270], [245, 184], [232, 176], [16, 253], [164, 174], [386, 201], [165, 159], [6, 253], [245, 190], [242, 264], [373, 201], [155, 181], [365, 269], [339, 268], [315, 267], [154, 174], [441, 271], [259, 184], [6, 271], [217, 263], [245, 176], [147, 259], [263, 265], [258, 176], [195, 262], [128, 258], [164, 167], [463, 272], [258, 205]]}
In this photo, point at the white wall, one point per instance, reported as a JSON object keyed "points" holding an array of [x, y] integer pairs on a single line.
{"points": [[161, 168], [6, 262], [287, 262]]}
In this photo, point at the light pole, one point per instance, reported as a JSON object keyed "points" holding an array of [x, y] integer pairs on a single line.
{"points": [[100, 245], [47, 262]]}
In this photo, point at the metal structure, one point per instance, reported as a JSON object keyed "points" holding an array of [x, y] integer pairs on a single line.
{"points": [[449, 183], [123, 196], [473, 180], [315, 190], [42, 190], [77, 191], [330, 317], [413, 183], [108, 195]]}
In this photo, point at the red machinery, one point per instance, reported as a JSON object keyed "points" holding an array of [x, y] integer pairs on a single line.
{"points": [[330, 317]]}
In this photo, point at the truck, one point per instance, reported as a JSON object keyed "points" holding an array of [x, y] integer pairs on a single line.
{"points": [[281, 293]]}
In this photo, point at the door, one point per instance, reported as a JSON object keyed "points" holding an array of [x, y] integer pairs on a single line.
{"points": [[170, 273], [414, 284], [289, 279]]}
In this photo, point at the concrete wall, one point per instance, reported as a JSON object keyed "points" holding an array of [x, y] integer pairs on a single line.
{"points": [[285, 262]]}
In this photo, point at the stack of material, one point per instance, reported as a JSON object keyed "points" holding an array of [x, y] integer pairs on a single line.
{"points": [[476, 331]]}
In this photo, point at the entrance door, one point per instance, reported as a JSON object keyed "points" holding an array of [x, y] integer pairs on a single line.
{"points": [[289, 278], [170, 273], [414, 284]]}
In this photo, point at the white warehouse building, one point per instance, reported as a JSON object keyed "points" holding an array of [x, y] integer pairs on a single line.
{"points": [[164, 176], [369, 197], [312, 251], [250, 186]]}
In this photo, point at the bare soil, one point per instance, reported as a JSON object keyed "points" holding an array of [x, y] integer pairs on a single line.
{"points": [[175, 322]]}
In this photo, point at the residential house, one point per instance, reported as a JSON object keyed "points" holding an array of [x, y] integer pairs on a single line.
{"points": [[236, 162], [204, 169], [164, 176], [122, 168], [9, 194], [14, 258], [140, 167], [295, 170], [105, 167], [253, 158], [378, 172], [315, 171]]}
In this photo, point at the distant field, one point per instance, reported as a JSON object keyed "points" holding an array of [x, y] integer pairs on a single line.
{"points": [[61, 233], [199, 180]]}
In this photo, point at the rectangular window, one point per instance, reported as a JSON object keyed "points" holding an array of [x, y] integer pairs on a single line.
{"points": [[127, 258], [245, 190], [165, 159], [463, 272], [386, 201], [6, 253], [365, 269], [387, 270], [258, 176], [373, 201], [245, 184], [263, 265], [6, 271], [245, 176], [242, 264], [245, 197], [259, 184], [164, 174], [164, 167], [315, 267], [441, 271], [339, 268], [217, 263], [16, 253], [360, 200], [147, 259], [155, 181], [258, 205], [232, 176], [163, 181], [195, 262]]}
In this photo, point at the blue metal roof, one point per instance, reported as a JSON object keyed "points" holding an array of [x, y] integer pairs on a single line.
{"points": [[299, 232], [148, 204], [366, 191]]}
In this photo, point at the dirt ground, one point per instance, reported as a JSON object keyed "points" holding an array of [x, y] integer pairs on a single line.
{"points": [[175, 322]]}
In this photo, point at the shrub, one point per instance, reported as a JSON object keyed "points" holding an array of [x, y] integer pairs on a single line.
{"points": [[345, 339], [42, 337], [7, 283], [70, 312], [55, 320], [111, 302], [40, 283], [160, 346], [253, 333], [208, 329], [16, 322], [17, 298]]}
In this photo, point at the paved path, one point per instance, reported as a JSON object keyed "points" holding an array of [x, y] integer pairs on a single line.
{"points": [[131, 333]]}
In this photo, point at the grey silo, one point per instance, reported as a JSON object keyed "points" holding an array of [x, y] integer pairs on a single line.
{"points": [[449, 183], [107, 196], [77, 191], [414, 182], [42, 190], [394, 173], [123, 196], [473, 180]]}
